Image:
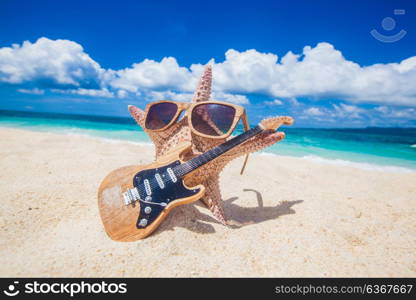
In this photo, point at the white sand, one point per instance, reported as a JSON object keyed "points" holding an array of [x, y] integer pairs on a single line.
{"points": [[302, 218]]}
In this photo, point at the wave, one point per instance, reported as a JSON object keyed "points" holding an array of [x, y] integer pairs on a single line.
{"points": [[107, 139], [80, 132], [413, 146], [346, 163], [358, 165]]}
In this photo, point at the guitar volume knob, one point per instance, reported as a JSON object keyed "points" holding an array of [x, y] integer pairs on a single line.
{"points": [[143, 222], [147, 209]]}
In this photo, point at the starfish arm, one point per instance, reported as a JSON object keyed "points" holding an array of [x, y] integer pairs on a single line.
{"points": [[203, 89], [137, 114], [263, 140], [213, 200], [254, 144], [165, 140]]}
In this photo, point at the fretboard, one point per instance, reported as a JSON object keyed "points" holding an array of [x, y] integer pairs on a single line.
{"points": [[206, 157]]}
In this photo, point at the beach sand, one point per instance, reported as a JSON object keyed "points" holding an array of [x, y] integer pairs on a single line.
{"points": [[301, 218]]}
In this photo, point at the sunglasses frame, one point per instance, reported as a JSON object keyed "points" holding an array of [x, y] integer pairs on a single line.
{"points": [[240, 113]]}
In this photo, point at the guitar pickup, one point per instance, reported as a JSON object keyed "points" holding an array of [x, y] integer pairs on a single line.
{"points": [[130, 196], [172, 175]]}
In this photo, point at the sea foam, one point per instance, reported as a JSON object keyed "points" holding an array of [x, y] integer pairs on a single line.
{"points": [[346, 163], [107, 139], [358, 165]]}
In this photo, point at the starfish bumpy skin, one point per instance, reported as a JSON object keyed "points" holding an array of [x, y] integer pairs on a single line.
{"points": [[208, 174]]}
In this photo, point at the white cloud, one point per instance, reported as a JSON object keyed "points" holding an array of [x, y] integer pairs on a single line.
{"points": [[382, 109], [50, 63], [274, 102], [294, 101], [248, 71], [334, 112], [313, 111], [339, 115], [169, 95], [150, 74], [122, 94], [86, 92], [233, 98], [187, 97], [34, 91], [319, 72], [343, 110], [396, 113]]}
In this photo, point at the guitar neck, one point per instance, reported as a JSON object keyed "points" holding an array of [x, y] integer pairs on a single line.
{"points": [[206, 157]]}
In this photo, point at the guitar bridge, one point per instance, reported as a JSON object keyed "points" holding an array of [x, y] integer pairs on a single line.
{"points": [[130, 196]]}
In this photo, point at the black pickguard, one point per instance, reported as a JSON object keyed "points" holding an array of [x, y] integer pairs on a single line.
{"points": [[171, 192]]}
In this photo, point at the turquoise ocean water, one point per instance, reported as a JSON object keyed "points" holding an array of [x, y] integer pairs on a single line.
{"points": [[388, 148]]}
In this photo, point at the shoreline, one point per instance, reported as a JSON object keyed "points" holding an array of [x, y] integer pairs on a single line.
{"points": [[312, 158], [299, 218]]}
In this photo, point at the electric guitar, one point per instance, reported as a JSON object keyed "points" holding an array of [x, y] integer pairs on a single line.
{"points": [[134, 200]]}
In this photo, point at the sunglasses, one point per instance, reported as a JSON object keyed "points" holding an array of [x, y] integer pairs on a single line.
{"points": [[211, 119]]}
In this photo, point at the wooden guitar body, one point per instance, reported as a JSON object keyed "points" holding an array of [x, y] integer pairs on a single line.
{"points": [[123, 222]]}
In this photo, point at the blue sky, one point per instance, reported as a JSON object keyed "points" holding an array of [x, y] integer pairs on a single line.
{"points": [[314, 60]]}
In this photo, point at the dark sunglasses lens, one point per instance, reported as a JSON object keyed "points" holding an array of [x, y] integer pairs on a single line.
{"points": [[213, 119], [160, 115]]}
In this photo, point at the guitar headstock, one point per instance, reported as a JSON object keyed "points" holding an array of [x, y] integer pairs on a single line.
{"points": [[276, 122]]}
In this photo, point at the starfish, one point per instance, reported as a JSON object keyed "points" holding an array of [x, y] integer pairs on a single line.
{"points": [[208, 174]]}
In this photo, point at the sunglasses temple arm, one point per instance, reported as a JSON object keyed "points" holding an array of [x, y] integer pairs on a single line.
{"points": [[246, 128]]}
